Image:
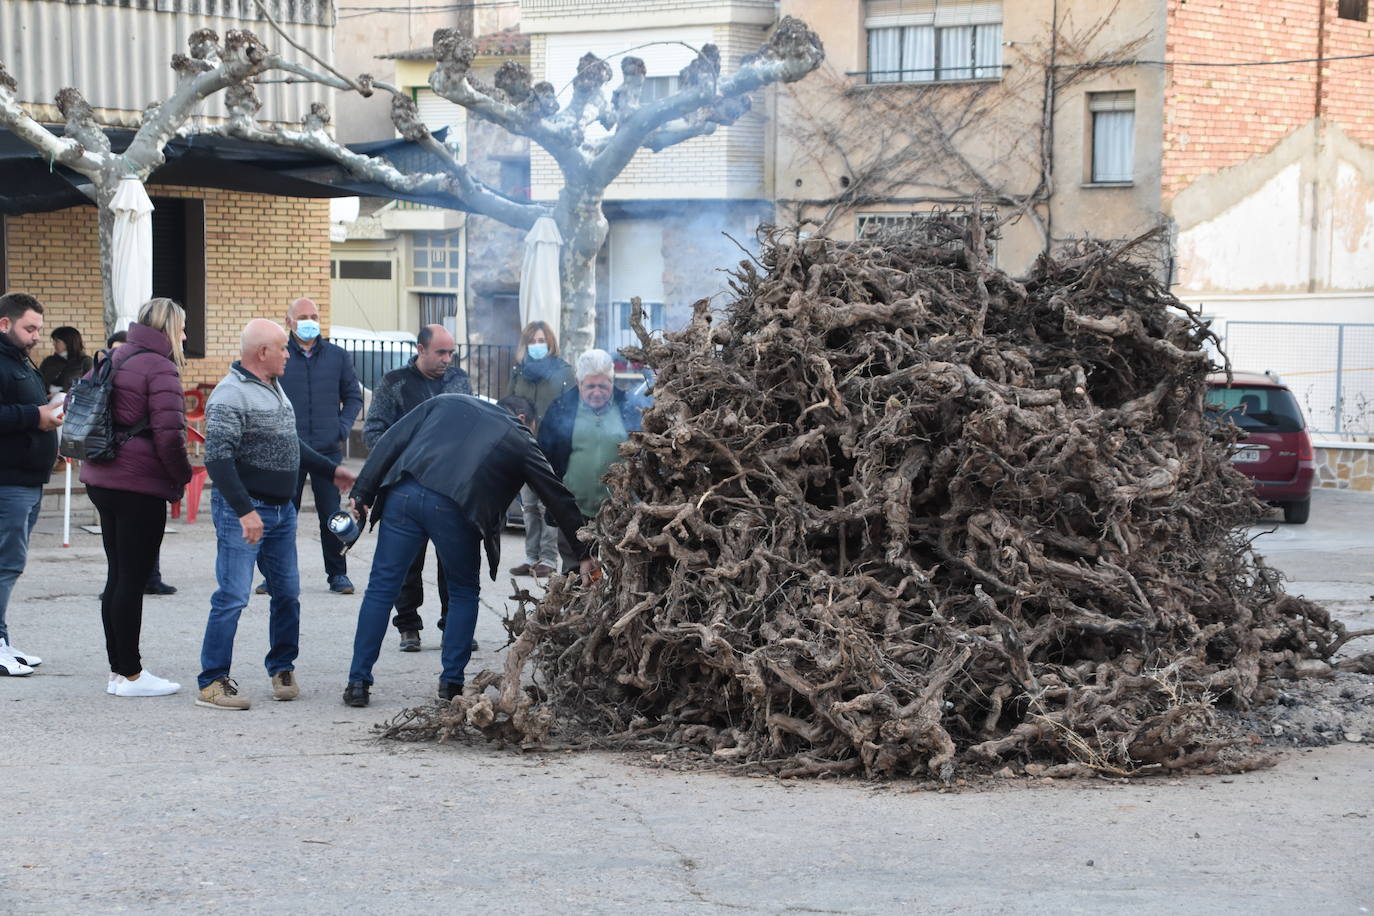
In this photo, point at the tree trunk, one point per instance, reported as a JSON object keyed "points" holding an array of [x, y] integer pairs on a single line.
{"points": [[105, 218], [584, 229]]}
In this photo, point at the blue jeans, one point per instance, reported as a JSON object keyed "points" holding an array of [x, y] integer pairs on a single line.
{"points": [[18, 514], [411, 514], [234, 560]]}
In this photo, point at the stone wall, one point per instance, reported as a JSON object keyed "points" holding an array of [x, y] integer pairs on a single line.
{"points": [[1345, 468]]}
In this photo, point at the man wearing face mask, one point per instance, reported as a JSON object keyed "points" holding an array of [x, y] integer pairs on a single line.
{"points": [[325, 394]]}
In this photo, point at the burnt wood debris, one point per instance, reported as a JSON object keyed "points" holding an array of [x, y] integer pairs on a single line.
{"points": [[896, 513]]}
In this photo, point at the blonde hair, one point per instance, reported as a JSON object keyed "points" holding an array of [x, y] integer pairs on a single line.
{"points": [[527, 335], [166, 316]]}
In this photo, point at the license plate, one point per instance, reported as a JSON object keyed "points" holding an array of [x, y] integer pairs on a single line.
{"points": [[1246, 456]]}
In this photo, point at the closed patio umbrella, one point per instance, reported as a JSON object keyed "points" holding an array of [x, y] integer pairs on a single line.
{"points": [[540, 296], [131, 250]]}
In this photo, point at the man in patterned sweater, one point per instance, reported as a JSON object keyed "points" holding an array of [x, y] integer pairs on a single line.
{"points": [[254, 454]]}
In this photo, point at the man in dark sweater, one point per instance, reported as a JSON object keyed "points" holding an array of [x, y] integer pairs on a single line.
{"points": [[430, 372], [425, 482], [253, 455], [324, 390], [28, 448]]}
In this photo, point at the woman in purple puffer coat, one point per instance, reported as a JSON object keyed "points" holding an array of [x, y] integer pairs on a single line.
{"points": [[131, 492]]}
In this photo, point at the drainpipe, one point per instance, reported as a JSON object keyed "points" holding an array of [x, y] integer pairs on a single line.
{"points": [[1321, 49], [1315, 195]]}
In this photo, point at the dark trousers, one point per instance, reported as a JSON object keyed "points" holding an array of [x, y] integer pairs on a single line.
{"points": [[131, 528], [413, 594], [326, 504]]}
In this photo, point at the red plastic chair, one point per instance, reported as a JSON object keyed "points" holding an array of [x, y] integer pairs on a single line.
{"points": [[195, 403], [196, 484], [195, 414]]}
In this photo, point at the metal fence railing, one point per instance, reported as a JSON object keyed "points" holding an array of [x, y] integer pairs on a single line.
{"points": [[1329, 366], [487, 365]]}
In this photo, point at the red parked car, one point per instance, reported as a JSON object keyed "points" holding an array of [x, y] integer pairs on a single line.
{"points": [[1275, 450]]}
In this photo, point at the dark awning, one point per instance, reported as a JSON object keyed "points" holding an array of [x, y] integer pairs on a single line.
{"points": [[29, 184]]}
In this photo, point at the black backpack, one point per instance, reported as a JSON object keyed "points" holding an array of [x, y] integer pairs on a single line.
{"points": [[89, 432]]}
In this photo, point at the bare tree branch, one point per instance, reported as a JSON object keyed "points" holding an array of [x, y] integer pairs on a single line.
{"points": [[65, 150]]}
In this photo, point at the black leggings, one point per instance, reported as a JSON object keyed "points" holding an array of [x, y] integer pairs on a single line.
{"points": [[131, 526]]}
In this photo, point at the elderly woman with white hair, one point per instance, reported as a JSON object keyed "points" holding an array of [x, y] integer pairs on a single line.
{"points": [[581, 435]]}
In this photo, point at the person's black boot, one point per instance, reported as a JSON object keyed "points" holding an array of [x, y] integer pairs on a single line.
{"points": [[448, 690], [159, 588], [356, 693]]}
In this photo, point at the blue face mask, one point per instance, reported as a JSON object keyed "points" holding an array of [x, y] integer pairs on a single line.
{"points": [[307, 329], [537, 351]]}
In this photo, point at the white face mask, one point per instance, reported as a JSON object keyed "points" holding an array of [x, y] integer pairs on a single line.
{"points": [[306, 329], [537, 350]]}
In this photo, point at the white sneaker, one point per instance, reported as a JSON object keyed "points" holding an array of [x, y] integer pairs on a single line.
{"points": [[25, 658], [147, 685], [114, 679], [13, 667]]}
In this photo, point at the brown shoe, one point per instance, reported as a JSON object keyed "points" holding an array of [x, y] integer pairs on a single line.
{"points": [[222, 694], [522, 570], [284, 686], [543, 570]]}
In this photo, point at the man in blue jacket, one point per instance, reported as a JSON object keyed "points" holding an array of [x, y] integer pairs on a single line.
{"points": [[324, 391]]}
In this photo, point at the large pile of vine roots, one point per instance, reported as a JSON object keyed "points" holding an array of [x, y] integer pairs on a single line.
{"points": [[893, 513]]}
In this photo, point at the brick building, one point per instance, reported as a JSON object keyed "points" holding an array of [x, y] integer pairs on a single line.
{"points": [[1240, 127], [1165, 112], [228, 256]]}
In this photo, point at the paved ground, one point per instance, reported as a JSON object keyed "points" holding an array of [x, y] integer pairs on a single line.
{"points": [[156, 805]]}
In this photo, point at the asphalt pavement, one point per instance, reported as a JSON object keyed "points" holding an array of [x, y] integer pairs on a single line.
{"points": [[159, 806]]}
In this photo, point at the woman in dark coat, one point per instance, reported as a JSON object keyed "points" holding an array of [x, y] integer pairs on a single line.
{"points": [[540, 376], [68, 361], [131, 492]]}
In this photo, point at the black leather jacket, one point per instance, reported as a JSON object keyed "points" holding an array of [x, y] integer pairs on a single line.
{"points": [[476, 454]]}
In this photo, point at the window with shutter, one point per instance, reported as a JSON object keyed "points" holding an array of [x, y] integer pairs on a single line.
{"points": [[923, 41], [1354, 9], [1112, 116]]}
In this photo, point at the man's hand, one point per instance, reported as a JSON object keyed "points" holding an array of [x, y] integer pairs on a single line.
{"points": [[252, 527], [590, 571], [344, 478], [49, 417]]}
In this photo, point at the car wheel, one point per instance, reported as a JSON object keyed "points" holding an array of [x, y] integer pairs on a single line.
{"points": [[1296, 513]]}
